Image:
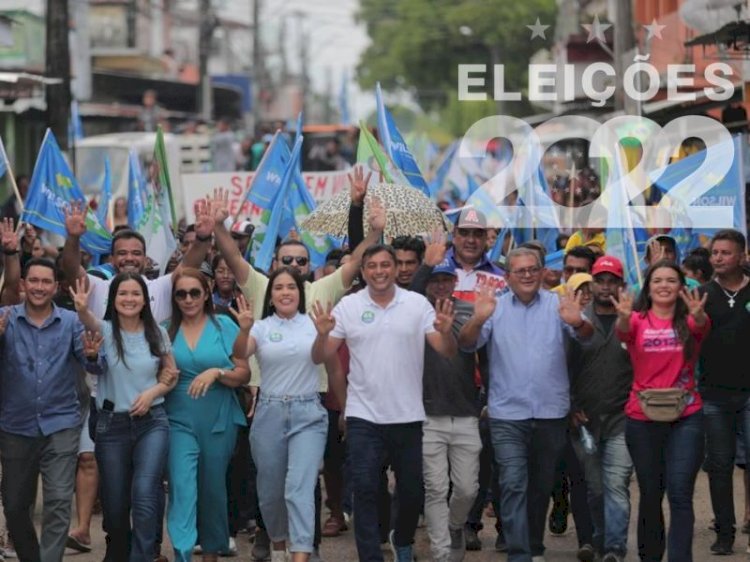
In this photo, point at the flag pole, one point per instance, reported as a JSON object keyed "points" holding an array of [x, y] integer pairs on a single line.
{"points": [[255, 176]]}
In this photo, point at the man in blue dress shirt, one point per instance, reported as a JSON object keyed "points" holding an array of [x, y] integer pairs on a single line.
{"points": [[525, 331], [42, 353]]}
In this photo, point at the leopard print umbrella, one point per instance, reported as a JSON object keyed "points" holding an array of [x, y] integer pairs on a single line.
{"points": [[408, 212]]}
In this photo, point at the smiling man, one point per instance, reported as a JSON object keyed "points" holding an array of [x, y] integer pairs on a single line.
{"points": [[40, 419], [385, 328], [473, 268]]}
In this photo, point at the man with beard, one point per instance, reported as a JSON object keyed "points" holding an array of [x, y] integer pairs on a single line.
{"points": [[601, 377]]}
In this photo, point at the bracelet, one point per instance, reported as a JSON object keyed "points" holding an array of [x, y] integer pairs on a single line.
{"points": [[10, 253], [203, 238]]}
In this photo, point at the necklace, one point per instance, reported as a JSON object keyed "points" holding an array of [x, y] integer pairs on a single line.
{"points": [[729, 294]]}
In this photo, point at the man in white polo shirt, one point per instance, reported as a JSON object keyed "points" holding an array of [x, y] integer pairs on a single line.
{"points": [[385, 328]]}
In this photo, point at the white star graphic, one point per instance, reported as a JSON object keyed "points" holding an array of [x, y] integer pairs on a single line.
{"points": [[596, 30], [538, 30], [654, 30]]}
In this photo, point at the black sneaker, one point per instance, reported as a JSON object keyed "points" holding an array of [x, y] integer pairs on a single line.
{"points": [[472, 540], [722, 546], [586, 553]]}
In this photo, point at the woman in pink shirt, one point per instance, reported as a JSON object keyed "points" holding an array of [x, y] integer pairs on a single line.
{"points": [[663, 330]]}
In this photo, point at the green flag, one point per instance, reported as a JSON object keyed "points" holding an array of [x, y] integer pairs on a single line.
{"points": [[159, 178]]}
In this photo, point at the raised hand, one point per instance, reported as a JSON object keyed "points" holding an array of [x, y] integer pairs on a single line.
{"points": [[8, 235], [29, 234], [434, 253], [655, 251], [219, 205], [485, 302], [695, 303], [244, 313], [323, 319], [92, 342], [204, 218], [570, 308], [358, 185], [4, 321], [376, 217], [75, 219], [444, 316], [623, 303], [80, 294]]}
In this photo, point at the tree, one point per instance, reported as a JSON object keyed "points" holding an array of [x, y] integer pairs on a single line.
{"points": [[418, 44]]}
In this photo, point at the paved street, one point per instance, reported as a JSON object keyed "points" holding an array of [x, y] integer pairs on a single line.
{"points": [[559, 549]]}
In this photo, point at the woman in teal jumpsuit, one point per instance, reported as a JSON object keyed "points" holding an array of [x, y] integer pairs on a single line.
{"points": [[204, 415]]}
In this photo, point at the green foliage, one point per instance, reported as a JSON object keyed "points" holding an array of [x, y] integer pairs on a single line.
{"points": [[418, 44]]}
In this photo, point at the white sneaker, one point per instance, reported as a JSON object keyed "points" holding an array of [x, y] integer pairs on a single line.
{"points": [[279, 556], [231, 550], [197, 549]]}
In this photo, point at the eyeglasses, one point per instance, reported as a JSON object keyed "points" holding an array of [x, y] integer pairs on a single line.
{"points": [[527, 271], [571, 269], [301, 260], [471, 232], [182, 294]]}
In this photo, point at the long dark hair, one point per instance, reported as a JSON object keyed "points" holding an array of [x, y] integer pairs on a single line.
{"points": [[268, 308], [150, 327], [643, 303], [208, 304]]}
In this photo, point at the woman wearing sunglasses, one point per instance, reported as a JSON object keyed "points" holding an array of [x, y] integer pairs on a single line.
{"points": [[132, 431], [288, 434], [204, 416]]}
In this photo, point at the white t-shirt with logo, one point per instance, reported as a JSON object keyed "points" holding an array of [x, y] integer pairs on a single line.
{"points": [[386, 350], [159, 292]]}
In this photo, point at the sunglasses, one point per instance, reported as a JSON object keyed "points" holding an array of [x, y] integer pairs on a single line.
{"points": [[301, 260], [182, 294]]}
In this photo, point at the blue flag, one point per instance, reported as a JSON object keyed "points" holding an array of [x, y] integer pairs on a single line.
{"points": [[102, 210], [137, 193], [280, 214], [268, 177], [298, 127], [726, 191], [51, 189], [441, 174], [395, 146]]}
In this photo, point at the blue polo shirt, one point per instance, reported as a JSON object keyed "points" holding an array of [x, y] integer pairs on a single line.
{"points": [[527, 346], [38, 370]]}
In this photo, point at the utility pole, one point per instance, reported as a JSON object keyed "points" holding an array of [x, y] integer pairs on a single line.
{"points": [[624, 42], [256, 73], [304, 81], [57, 65], [209, 22]]}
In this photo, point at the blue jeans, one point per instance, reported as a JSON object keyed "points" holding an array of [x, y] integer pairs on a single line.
{"points": [[368, 444], [608, 482], [723, 419], [666, 455], [287, 441], [132, 456], [527, 453]]}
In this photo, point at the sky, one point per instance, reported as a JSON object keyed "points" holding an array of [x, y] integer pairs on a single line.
{"points": [[335, 40]]}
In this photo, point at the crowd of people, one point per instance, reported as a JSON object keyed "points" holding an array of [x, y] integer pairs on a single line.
{"points": [[217, 394]]}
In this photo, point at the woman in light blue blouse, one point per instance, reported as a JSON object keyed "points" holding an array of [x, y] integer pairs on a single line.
{"points": [[288, 434], [132, 431], [204, 415]]}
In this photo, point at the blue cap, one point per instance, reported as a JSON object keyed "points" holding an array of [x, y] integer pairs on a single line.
{"points": [[445, 267]]}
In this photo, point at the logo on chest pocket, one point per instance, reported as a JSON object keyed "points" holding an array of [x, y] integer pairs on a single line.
{"points": [[275, 337], [368, 317]]}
